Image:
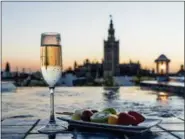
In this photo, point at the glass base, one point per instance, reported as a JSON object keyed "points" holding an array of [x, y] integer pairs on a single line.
{"points": [[51, 128]]}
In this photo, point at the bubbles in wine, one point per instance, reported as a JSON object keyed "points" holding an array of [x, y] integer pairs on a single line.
{"points": [[51, 56], [51, 64], [51, 74]]}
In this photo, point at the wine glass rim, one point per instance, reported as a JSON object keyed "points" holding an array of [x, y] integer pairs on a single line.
{"points": [[50, 33]]}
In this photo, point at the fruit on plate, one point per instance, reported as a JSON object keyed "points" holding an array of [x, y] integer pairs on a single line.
{"points": [[112, 119], [86, 115], [79, 112], [100, 117], [139, 118], [110, 110], [94, 111], [76, 116], [126, 119]]}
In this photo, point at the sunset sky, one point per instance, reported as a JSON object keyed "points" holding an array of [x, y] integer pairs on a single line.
{"points": [[145, 30]]}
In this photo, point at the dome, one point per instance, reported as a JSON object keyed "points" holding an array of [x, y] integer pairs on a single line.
{"points": [[162, 57]]}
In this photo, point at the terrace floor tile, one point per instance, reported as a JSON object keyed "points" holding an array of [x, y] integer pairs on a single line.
{"points": [[156, 129], [18, 122], [164, 135], [179, 134], [12, 136], [173, 127], [171, 120], [15, 129]]}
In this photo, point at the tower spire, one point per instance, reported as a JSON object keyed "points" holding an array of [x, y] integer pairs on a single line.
{"points": [[110, 17], [111, 29], [111, 23]]}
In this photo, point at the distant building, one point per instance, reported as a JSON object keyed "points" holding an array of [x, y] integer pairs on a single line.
{"points": [[67, 79], [90, 70], [81, 71], [129, 69], [111, 53], [181, 72], [95, 70], [6, 75]]}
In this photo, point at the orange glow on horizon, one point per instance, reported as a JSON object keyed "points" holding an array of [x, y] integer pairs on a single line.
{"points": [[34, 65]]}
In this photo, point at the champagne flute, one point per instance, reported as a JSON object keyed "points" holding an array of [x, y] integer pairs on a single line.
{"points": [[51, 68]]}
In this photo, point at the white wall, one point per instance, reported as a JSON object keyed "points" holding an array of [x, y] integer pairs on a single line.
{"points": [[8, 87], [124, 81], [68, 79]]}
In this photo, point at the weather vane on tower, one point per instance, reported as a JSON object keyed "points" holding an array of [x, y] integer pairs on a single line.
{"points": [[110, 16]]}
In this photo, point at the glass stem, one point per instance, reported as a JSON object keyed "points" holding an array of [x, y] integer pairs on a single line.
{"points": [[52, 114]]}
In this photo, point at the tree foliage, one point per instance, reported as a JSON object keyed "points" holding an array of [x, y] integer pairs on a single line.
{"points": [[75, 65], [7, 68]]}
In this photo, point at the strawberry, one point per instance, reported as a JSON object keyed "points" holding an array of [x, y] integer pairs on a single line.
{"points": [[126, 119], [139, 118]]}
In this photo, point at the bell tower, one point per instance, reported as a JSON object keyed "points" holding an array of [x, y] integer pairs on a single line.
{"points": [[111, 53]]}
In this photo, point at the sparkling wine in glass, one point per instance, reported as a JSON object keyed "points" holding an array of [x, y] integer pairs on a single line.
{"points": [[51, 68]]}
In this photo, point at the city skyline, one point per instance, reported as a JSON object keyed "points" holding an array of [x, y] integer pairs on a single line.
{"points": [[145, 30]]}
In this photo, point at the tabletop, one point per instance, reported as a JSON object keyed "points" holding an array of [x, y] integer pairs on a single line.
{"points": [[27, 128]]}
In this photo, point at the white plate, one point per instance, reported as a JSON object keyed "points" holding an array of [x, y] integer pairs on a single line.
{"points": [[140, 128]]}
